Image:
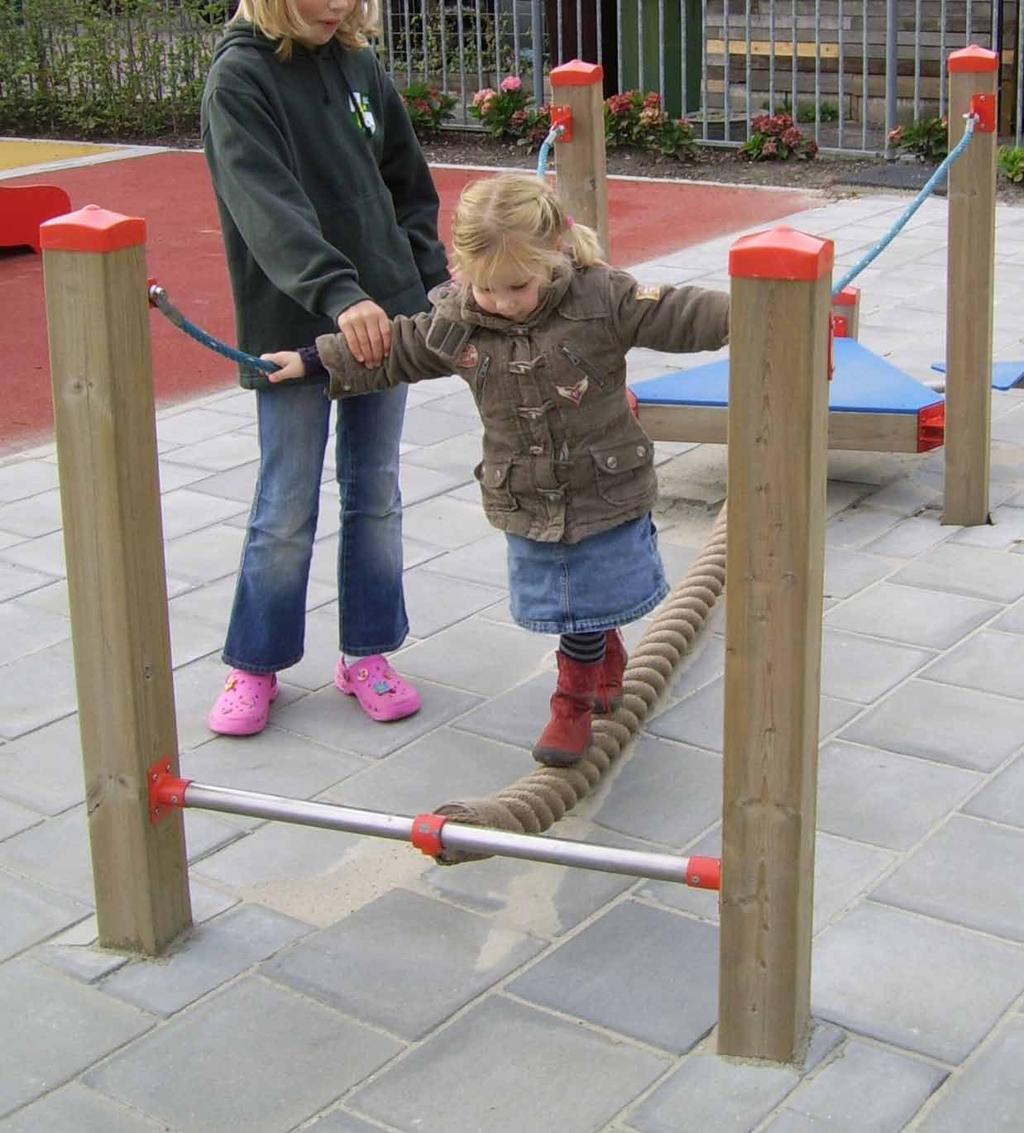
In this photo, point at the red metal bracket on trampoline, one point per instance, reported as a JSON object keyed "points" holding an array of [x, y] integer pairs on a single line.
{"points": [[426, 833], [704, 873], [983, 107], [562, 116], [166, 791], [931, 427]]}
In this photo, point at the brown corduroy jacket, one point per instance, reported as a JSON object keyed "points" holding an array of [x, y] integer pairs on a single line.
{"points": [[563, 456]]}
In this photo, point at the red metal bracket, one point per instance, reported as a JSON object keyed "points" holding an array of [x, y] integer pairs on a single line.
{"points": [[166, 791], [931, 427], [562, 116], [840, 327], [832, 332], [704, 873], [152, 285], [983, 107], [426, 833]]}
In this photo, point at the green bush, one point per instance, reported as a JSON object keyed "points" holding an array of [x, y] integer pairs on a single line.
{"points": [[1011, 163], [637, 119], [774, 137], [124, 67], [508, 113], [928, 138], [428, 107]]}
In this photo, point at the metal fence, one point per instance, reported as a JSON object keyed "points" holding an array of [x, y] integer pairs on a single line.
{"points": [[848, 70]]}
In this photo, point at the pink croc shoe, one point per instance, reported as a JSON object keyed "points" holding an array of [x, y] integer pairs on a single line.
{"points": [[244, 704], [381, 692]]}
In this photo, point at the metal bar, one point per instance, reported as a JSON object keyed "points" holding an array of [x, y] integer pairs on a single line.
{"points": [[453, 836], [1020, 74], [817, 75], [942, 59], [771, 58], [840, 80], [725, 73], [891, 66], [917, 59], [747, 74], [864, 75], [661, 50], [704, 104], [794, 85], [537, 35]]}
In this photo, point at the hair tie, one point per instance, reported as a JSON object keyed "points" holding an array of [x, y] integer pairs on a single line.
{"points": [[569, 221]]}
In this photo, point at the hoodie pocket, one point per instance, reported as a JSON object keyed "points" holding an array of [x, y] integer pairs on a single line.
{"points": [[624, 472]]}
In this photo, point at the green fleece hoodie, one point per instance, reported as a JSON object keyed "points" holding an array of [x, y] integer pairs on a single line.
{"points": [[324, 196]]}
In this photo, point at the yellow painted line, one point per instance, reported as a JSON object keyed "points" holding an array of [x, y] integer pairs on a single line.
{"points": [[17, 152]]}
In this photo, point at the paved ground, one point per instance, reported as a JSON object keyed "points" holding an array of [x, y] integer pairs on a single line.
{"points": [[345, 986]]}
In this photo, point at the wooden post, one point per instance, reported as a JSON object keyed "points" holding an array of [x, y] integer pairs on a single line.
{"points": [[972, 222], [846, 307], [95, 282], [581, 172], [778, 424]]}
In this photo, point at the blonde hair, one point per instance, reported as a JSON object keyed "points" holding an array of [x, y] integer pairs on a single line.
{"points": [[278, 19], [516, 219]]}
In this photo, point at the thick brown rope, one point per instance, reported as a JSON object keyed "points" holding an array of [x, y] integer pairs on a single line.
{"points": [[540, 799]]}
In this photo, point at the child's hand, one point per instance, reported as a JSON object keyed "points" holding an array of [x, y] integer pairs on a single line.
{"points": [[290, 363], [367, 331]]}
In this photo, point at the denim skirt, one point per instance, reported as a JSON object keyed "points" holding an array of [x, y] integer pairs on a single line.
{"points": [[607, 580]]}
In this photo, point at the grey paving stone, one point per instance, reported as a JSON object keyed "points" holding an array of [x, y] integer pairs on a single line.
{"points": [[478, 656], [914, 982], [26, 477], [536, 897], [236, 483], [424, 426], [708, 1094], [639, 971], [362, 964], [514, 717], [441, 766], [337, 720], [62, 1028], [456, 456], [941, 722], [212, 954], [911, 537], [228, 450], [1003, 798], [1012, 621], [990, 661], [989, 1094], [192, 425], [445, 522], [29, 914], [36, 691], [699, 719], [417, 483], [1006, 529], [14, 818], [857, 526], [76, 1109], [275, 762], [861, 669], [285, 1057], [883, 798], [37, 515], [185, 510], [906, 497], [85, 962], [435, 603], [25, 629], [338, 1121], [41, 561], [665, 792], [205, 555], [866, 1089], [192, 638], [512, 1068], [485, 561], [968, 873], [911, 615], [974, 571]]}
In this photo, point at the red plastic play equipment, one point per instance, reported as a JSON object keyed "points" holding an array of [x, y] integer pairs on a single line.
{"points": [[24, 207]]}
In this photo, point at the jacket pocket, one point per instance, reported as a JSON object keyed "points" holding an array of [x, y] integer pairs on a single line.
{"points": [[493, 477], [575, 358], [624, 471]]}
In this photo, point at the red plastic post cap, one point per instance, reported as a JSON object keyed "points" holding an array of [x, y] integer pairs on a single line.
{"points": [[780, 253], [576, 73], [973, 60], [847, 297], [92, 229]]}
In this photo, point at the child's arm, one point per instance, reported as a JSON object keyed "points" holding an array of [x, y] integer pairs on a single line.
{"points": [[677, 319], [410, 360]]}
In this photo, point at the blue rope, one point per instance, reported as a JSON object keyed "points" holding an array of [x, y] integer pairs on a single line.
{"points": [[915, 204], [158, 297], [545, 147]]}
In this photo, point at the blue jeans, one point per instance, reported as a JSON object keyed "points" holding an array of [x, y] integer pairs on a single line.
{"points": [[268, 618]]}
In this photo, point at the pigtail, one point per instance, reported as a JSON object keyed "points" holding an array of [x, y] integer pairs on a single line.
{"points": [[581, 243]]}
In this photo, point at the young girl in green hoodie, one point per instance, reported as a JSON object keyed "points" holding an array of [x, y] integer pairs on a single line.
{"points": [[329, 219]]}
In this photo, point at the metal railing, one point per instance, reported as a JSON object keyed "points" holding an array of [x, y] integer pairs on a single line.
{"points": [[848, 71]]}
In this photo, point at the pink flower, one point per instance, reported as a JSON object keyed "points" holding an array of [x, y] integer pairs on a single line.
{"points": [[511, 83], [485, 94]]}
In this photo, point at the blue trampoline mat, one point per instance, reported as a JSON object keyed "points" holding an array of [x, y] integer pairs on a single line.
{"points": [[861, 383], [1005, 375]]}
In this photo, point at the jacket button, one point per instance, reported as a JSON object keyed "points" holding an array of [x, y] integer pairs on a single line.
{"points": [[612, 462], [640, 450], [536, 450]]}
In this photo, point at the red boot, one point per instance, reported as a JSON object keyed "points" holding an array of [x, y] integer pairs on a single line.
{"points": [[565, 739], [609, 682]]}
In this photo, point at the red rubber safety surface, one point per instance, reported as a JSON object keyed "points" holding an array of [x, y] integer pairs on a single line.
{"points": [[171, 191]]}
